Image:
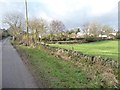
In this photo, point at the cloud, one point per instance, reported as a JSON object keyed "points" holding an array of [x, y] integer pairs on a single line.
{"points": [[72, 12], [63, 7], [77, 12]]}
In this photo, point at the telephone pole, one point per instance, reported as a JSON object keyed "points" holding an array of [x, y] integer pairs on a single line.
{"points": [[26, 11]]}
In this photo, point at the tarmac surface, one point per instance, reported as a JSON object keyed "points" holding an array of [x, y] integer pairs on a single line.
{"points": [[14, 72]]}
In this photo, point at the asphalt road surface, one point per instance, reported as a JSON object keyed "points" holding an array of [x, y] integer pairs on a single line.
{"points": [[14, 72], [0, 64]]}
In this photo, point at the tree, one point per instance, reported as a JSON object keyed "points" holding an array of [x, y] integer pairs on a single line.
{"points": [[38, 27], [106, 29], [78, 30], [56, 26], [85, 28], [15, 21], [118, 35], [96, 29]]}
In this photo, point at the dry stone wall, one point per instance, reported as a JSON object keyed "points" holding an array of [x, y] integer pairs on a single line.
{"points": [[80, 57], [95, 67]]}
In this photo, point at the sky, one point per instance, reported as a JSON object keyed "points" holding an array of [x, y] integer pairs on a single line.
{"points": [[73, 13]]}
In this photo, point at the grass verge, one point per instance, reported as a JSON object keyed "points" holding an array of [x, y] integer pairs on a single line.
{"points": [[54, 72]]}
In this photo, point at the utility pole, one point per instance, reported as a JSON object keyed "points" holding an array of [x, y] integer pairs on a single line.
{"points": [[26, 11]]}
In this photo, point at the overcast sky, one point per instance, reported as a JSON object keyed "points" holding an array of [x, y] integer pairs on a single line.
{"points": [[73, 13]]}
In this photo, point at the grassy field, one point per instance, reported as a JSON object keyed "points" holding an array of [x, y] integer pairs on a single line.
{"points": [[57, 73], [102, 48]]}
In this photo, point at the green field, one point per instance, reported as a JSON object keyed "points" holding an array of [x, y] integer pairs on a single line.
{"points": [[103, 48]]}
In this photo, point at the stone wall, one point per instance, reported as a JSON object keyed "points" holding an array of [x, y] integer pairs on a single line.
{"points": [[95, 67], [67, 42], [80, 57]]}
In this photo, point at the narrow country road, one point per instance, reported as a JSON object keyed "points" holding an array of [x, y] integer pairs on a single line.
{"points": [[14, 72], [0, 64]]}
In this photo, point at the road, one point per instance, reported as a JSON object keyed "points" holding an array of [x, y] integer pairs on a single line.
{"points": [[14, 72], [0, 64]]}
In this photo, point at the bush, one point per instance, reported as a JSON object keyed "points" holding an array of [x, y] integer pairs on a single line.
{"points": [[92, 39], [118, 35]]}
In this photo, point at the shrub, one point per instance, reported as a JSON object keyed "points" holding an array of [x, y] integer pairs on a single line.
{"points": [[118, 35], [92, 39]]}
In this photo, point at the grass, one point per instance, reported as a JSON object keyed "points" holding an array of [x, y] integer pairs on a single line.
{"points": [[107, 48], [57, 73]]}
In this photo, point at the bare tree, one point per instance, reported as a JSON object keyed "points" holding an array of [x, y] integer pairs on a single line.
{"points": [[15, 22], [96, 29], [85, 28], [38, 27], [56, 26], [106, 29], [93, 28]]}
